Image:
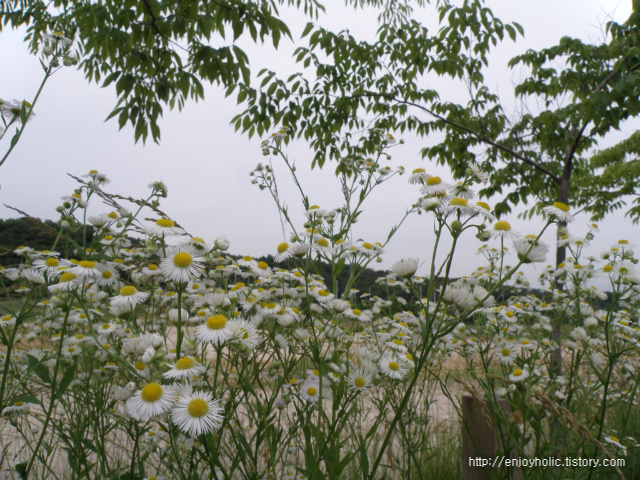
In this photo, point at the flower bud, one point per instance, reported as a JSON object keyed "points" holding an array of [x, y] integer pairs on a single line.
{"points": [[483, 236], [67, 62], [222, 243], [47, 50]]}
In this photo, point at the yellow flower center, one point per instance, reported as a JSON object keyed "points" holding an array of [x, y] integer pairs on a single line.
{"points": [[67, 277], [87, 264], [517, 372], [459, 202], [505, 351], [198, 407], [359, 382], [312, 391], [322, 242], [152, 392], [182, 259], [561, 206], [367, 245], [216, 322], [434, 181], [153, 267], [165, 223], [107, 274], [185, 363], [483, 205], [419, 170], [140, 366], [128, 291], [263, 265], [503, 226], [51, 262], [283, 247], [394, 366]]}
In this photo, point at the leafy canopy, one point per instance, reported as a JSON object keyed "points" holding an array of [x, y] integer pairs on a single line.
{"points": [[155, 52], [573, 96]]}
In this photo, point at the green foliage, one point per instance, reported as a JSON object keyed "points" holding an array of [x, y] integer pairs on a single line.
{"points": [[16, 232], [583, 91], [155, 52]]}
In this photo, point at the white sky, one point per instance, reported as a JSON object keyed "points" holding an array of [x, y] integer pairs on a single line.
{"points": [[206, 164]]}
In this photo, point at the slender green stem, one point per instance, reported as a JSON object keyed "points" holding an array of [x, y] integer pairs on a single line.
{"points": [[16, 138]]}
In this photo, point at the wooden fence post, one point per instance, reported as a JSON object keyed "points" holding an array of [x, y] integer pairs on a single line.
{"points": [[481, 445]]}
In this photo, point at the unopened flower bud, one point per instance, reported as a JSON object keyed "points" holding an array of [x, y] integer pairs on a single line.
{"points": [[483, 236], [47, 50], [67, 62], [222, 243]]}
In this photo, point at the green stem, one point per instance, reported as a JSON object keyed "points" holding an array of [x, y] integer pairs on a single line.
{"points": [[52, 398], [16, 138]]}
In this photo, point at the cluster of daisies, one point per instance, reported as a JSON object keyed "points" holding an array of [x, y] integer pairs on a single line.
{"points": [[152, 319]]}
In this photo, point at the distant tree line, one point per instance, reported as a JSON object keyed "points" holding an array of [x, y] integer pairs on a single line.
{"points": [[34, 233]]}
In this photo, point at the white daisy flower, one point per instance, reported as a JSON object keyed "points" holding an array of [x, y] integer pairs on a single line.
{"points": [[435, 186], [245, 332], [311, 392], [530, 250], [560, 211], [393, 367], [180, 264], [518, 375], [152, 400], [196, 413], [67, 281], [502, 229], [506, 353], [165, 227], [418, 176], [216, 330], [261, 269], [461, 206], [198, 244], [359, 380], [129, 295], [405, 267], [85, 269], [186, 367], [283, 252], [49, 265], [57, 37]]}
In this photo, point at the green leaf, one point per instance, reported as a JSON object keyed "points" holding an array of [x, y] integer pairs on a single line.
{"points": [[21, 468], [67, 378], [26, 399], [36, 366]]}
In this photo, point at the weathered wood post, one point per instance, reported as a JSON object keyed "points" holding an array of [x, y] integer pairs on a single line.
{"points": [[482, 452]]}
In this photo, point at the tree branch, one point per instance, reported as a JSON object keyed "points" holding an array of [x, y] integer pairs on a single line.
{"points": [[478, 136]]}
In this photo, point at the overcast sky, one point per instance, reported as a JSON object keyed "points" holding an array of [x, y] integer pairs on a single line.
{"points": [[206, 164]]}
